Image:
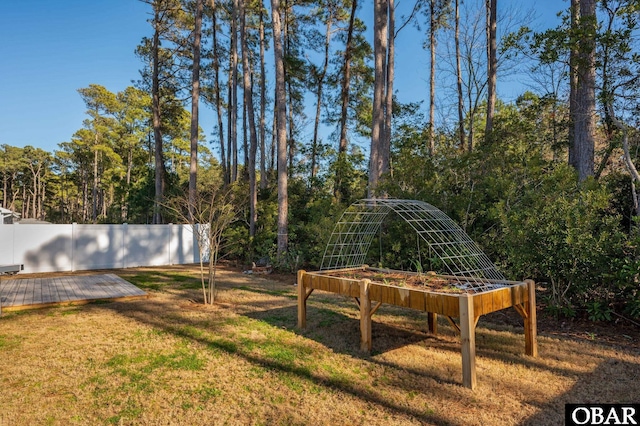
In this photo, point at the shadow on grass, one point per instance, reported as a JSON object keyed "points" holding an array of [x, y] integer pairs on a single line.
{"points": [[199, 331], [154, 280], [594, 387], [339, 332], [272, 292]]}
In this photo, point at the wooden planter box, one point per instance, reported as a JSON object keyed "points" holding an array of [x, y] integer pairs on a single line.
{"points": [[467, 307]]}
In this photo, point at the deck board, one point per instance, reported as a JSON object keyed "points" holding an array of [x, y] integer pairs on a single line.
{"points": [[30, 293]]}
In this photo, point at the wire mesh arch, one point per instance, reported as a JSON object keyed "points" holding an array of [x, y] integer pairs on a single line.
{"points": [[460, 256]]}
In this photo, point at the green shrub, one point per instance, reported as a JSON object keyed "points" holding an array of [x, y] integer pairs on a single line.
{"points": [[568, 237]]}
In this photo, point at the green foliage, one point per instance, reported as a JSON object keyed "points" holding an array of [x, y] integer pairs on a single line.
{"points": [[397, 246], [349, 178], [312, 217], [568, 237], [512, 194], [526, 211], [313, 213], [315, 219], [597, 311]]}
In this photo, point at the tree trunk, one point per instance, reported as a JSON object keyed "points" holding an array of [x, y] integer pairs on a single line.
{"points": [[94, 189], [218, 98], [378, 116], [584, 119], [628, 160], [245, 139], [25, 204], [346, 79], [157, 133], [233, 93], [281, 115], [473, 102], [34, 207], [385, 154], [274, 135], [459, 78], [125, 203], [320, 84], [344, 100], [289, 88], [195, 97], [41, 195], [85, 196], [253, 144], [492, 65], [573, 83], [432, 77], [104, 201], [5, 199], [263, 105], [606, 89], [229, 121]]}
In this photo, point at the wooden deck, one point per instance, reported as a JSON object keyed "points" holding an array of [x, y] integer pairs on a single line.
{"points": [[32, 293]]}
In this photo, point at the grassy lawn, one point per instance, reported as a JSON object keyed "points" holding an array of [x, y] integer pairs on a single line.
{"points": [[170, 360]]}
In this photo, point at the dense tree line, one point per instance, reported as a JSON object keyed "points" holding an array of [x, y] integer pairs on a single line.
{"points": [[547, 184]]}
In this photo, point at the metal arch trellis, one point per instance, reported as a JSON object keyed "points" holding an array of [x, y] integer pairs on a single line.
{"points": [[460, 255]]}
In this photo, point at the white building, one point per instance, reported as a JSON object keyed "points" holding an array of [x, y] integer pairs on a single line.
{"points": [[7, 216]]}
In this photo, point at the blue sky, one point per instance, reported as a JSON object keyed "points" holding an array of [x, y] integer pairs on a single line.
{"points": [[49, 49]]}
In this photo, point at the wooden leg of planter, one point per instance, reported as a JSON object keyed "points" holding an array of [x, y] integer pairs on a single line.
{"points": [[468, 340], [365, 316], [433, 322], [302, 301], [530, 326]]}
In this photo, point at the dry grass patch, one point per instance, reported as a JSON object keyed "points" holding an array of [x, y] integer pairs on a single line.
{"points": [[170, 360]]}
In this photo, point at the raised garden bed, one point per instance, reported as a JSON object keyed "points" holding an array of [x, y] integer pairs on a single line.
{"points": [[434, 294], [422, 281]]}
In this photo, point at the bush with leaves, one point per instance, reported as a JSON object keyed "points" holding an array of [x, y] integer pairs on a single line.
{"points": [[529, 214], [568, 237]]}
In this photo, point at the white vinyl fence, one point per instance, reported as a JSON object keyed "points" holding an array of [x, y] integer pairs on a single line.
{"points": [[48, 247]]}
